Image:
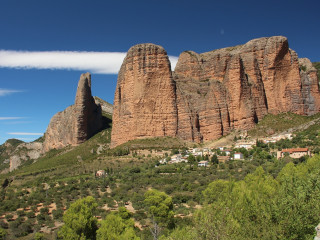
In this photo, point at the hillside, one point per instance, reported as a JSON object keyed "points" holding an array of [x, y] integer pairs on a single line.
{"points": [[283, 123], [15, 153], [62, 176]]}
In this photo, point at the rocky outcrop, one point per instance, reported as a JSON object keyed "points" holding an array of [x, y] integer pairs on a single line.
{"points": [[310, 87], [210, 94], [105, 106], [145, 99], [14, 153], [76, 123], [25, 152]]}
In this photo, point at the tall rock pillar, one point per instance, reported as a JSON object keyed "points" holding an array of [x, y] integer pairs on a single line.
{"points": [[145, 97], [76, 123]]}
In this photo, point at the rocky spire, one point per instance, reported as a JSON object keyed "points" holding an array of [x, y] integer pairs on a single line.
{"points": [[76, 123]]}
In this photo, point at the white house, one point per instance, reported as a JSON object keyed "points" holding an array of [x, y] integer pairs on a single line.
{"points": [[203, 164], [100, 173], [246, 145], [176, 158], [238, 155]]}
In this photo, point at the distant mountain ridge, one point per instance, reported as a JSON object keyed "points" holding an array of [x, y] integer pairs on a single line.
{"points": [[209, 95]]}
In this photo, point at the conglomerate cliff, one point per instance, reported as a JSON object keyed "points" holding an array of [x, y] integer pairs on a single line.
{"points": [[76, 123], [210, 94]]}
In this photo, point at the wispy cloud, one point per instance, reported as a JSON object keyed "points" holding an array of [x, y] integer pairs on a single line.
{"points": [[5, 92], [95, 62], [25, 134], [17, 122], [10, 118]]}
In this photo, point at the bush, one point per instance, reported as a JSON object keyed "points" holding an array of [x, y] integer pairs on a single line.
{"points": [[31, 215], [57, 214], [39, 236], [4, 225], [3, 234], [9, 217]]}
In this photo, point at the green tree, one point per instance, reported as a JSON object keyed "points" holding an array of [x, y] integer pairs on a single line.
{"points": [[79, 220], [3, 234], [214, 159], [298, 199], [160, 208], [186, 233], [124, 213], [191, 160], [239, 210], [116, 228], [38, 236]]}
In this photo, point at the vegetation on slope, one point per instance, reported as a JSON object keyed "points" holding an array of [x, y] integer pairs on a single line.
{"points": [[156, 143], [317, 66], [231, 198], [272, 124], [260, 206], [263, 197]]}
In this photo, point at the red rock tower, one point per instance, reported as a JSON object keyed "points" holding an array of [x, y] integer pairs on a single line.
{"points": [[145, 97]]}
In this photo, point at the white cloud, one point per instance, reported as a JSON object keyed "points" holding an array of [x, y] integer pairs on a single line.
{"points": [[10, 118], [173, 61], [95, 62], [17, 122], [25, 134], [5, 92]]}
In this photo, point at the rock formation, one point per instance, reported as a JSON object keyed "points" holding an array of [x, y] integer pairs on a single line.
{"points": [[145, 99], [210, 94], [310, 87], [24, 152], [13, 153], [105, 106], [76, 123]]}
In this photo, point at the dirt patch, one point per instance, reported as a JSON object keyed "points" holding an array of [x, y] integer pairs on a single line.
{"points": [[129, 207]]}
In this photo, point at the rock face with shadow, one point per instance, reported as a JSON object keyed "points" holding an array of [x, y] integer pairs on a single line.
{"points": [[76, 123], [210, 94], [145, 97]]}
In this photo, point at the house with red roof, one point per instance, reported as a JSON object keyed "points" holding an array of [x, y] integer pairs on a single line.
{"points": [[293, 152]]}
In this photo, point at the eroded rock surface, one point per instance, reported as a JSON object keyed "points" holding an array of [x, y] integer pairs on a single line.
{"points": [[210, 94], [25, 152], [76, 123], [145, 99]]}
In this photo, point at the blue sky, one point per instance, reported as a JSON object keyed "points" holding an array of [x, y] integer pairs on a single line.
{"points": [[30, 96]]}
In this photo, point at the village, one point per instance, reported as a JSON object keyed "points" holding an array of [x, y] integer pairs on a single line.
{"points": [[240, 150]]}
